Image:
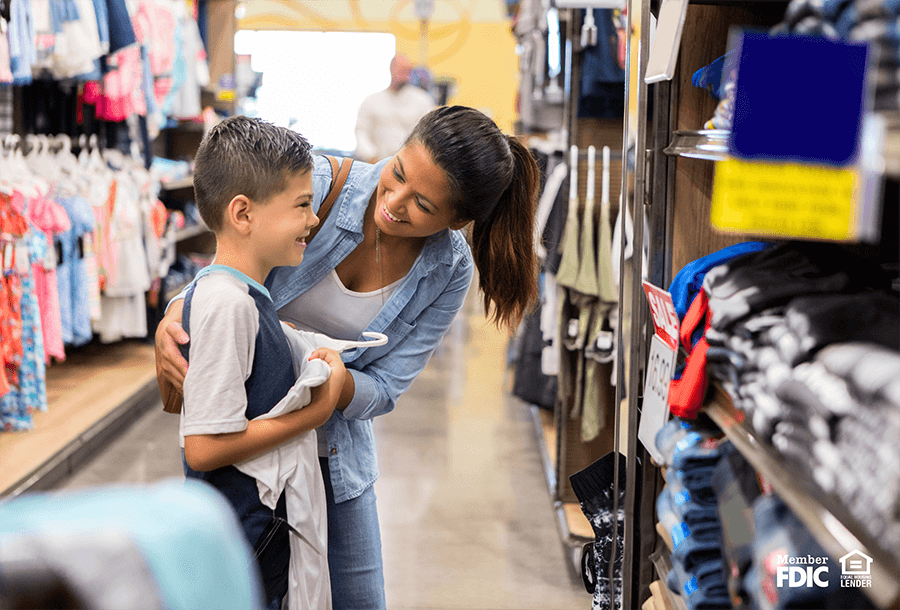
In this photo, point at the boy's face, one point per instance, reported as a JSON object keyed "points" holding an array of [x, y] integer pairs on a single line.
{"points": [[282, 223]]}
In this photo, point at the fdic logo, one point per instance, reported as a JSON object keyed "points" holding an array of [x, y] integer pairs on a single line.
{"points": [[810, 571], [805, 571]]}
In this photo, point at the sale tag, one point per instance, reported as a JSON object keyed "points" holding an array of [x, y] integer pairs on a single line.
{"points": [[655, 407], [665, 318]]}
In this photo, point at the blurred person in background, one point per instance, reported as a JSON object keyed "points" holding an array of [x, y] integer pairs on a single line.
{"points": [[387, 117]]}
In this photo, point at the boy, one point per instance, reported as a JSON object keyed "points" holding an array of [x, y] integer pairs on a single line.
{"points": [[253, 185]]}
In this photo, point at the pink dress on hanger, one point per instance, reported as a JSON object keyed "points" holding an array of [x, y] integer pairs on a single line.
{"points": [[50, 218]]}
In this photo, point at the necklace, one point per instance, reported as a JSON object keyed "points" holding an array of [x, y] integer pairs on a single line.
{"points": [[378, 261]]}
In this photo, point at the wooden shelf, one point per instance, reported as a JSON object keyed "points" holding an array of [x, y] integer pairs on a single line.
{"points": [[663, 565], [827, 518], [94, 386], [191, 231], [178, 184], [574, 528]]}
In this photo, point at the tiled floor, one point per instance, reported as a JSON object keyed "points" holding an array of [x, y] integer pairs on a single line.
{"points": [[465, 514]]}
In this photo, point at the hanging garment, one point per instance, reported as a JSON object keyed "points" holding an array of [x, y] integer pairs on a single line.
{"points": [[72, 276], [30, 394], [186, 97], [22, 51], [586, 278], [51, 219], [599, 393], [6, 76], [123, 305], [568, 266], [606, 283], [555, 180]]}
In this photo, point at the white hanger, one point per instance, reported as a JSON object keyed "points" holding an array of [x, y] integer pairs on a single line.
{"points": [[339, 345]]}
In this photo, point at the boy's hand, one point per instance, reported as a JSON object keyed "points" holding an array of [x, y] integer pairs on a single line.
{"points": [[326, 395], [333, 360]]}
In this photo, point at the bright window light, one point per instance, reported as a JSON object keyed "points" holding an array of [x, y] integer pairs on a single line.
{"points": [[314, 82]]}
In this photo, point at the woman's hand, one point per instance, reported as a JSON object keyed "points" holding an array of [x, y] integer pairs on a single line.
{"points": [[171, 366]]}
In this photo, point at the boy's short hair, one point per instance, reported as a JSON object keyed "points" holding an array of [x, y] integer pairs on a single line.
{"points": [[245, 156]]}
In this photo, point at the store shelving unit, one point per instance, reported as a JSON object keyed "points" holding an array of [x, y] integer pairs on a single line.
{"points": [[710, 144], [826, 518], [178, 184], [191, 231], [672, 185], [573, 527], [662, 565]]}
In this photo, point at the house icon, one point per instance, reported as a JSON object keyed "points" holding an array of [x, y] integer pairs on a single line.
{"points": [[856, 562]]}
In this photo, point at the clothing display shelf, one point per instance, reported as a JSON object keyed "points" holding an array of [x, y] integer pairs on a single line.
{"points": [[178, 184], [674, 182], [191, 231], [827, 519], [712, 144], [663, 565], [572, 526]]}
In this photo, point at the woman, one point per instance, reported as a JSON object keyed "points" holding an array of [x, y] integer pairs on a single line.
{"points": [[389, 258]]}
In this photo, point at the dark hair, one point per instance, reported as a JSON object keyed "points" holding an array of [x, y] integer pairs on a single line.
{"points": [[245, 156], [494, 182]]}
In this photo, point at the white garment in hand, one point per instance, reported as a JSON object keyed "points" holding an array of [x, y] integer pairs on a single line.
{"points": [[293, 467]]}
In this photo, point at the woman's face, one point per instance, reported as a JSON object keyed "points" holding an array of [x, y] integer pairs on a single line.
{"points": [[413, 196]]}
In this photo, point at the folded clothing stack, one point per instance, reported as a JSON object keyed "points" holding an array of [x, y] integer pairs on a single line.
{"points": [[874, 22], [686, 508], [805, 338]]}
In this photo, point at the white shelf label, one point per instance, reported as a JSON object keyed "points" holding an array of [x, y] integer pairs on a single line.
{"points": [[655, 408]]}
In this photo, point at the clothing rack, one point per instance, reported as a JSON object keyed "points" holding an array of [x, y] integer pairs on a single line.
{"points": [[559, 436]]}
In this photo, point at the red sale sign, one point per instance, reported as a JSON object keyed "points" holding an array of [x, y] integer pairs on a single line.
{"points": [[665, 319]]}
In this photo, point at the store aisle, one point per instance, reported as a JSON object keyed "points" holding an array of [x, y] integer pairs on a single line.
{"points": [[463, 504]]}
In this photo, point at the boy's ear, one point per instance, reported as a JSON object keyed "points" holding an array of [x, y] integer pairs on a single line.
{"points": [[238, 214]]}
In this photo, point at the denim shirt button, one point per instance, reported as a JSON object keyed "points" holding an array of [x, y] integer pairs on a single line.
{"points": [[334, 451]]}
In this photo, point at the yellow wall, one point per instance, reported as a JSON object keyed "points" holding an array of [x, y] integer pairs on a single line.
{"points": [[468, 41]]}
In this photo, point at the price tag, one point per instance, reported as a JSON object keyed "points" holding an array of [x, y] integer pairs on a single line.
{"points": [[665, 318], [666, 42], [785, 199], [655, 407]]}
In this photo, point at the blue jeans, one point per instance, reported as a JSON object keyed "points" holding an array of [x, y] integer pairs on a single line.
{"points": [[354, 550]]}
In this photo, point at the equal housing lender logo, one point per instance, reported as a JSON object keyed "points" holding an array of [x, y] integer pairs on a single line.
{"points": [[813, 571]]}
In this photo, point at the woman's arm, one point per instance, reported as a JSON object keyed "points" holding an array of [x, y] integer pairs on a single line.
{"points": [[205, 452], [378, 385], [171, 366]]}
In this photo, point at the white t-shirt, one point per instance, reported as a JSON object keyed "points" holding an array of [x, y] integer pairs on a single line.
{"points": [[386, 118]]}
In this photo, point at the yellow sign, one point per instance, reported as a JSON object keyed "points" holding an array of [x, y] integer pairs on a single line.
{"points": [[785, 200], [225, 95]]}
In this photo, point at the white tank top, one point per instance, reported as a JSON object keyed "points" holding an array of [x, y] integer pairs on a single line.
{"points": [[330, 308]]}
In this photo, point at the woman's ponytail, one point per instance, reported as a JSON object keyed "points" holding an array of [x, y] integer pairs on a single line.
{"points": [[494, 183], [503, 245]]}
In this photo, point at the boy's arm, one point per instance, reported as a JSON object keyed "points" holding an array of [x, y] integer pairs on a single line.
{"points": [[205, 452]]}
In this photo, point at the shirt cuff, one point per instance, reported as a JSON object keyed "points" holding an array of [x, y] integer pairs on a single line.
{"points": [[364, 394]]}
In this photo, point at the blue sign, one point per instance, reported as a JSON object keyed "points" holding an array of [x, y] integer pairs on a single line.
{"points": [[798, 99]]}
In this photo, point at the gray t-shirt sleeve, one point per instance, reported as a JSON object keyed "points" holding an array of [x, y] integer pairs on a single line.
{"points": [[224, 324]]}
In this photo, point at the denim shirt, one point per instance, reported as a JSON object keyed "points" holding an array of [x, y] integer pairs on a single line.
{"points": [[415, 319]]}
